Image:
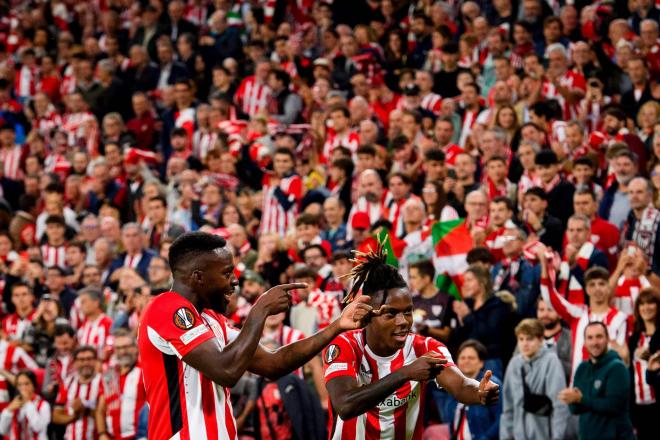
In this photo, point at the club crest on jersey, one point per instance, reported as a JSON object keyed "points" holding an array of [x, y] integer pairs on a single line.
{"points": [[184, 318], [331, 353]]}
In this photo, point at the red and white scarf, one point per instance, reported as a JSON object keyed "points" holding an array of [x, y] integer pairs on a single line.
{"points": [[646, 230], [569, 286]]}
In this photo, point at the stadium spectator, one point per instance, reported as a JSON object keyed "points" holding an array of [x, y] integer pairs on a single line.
{"points": [[601, 391], [533, 380], [470, 420]]}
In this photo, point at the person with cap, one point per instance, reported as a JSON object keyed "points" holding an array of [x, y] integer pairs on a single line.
{"points": [[559, 192], [538, 222]]}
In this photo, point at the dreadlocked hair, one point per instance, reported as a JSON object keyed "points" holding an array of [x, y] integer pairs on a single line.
{"points": [[372, 274]]}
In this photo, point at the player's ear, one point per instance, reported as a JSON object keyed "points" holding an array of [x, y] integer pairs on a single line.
{"points": [[197, 276]]}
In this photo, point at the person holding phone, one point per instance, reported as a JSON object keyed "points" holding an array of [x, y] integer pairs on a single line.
{"points": [[28, 415]]}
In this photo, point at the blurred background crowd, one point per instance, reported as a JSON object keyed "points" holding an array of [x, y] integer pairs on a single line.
{"points": [[508, 151]]}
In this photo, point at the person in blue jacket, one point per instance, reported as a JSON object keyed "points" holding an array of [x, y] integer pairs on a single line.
{"points": [[478, 422]]}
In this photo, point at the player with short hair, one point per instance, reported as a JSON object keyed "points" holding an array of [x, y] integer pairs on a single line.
{"points": [[187, 346], [377, 376]]}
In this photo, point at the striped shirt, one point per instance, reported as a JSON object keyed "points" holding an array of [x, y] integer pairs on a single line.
{"points": [[399, 416], [53, 255], [280, 204], [14, 358], [189, 405], [95, 333], [644, 393], [30, 422], [350, 140], [252, 96], [125, 396], [83, 428], [577, 316], [14, 326], [11, 159]]}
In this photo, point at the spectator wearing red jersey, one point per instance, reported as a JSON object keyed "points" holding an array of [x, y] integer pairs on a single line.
{"points": [[95, 329], [15, 325], [119, 407], [316, 309], [604, 235], [78, 397]]}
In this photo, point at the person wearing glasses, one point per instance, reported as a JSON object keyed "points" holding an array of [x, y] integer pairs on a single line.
{"points": [[79, 396]]}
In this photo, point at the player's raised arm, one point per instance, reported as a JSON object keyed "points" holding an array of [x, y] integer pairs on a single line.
{"points": [[469, 391], [225, 366], [274, 364]]}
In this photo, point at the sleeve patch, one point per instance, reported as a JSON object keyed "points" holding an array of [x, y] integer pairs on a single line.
{"points": [[193, 334], [339, 366], [331, 354], [184, 318]]}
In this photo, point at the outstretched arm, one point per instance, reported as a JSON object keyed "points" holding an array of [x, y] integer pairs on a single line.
{"points": [[274, 364], [469, 391], [226, 366]]}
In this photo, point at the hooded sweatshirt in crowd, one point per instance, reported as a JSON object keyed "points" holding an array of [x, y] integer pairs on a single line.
{"points": [[544, 375]]}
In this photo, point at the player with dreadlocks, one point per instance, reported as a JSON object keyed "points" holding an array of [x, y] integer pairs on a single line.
{"points": [[377, 376]]}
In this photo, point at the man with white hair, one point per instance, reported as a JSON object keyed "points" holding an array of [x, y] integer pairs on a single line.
{"points": [[368, 132], [641, 227], [650, 44], [431, 102], [567, 86], [359, 110], [418, 238]]}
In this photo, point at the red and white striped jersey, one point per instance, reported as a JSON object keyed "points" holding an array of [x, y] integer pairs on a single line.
{"points": [[26, 82], [95, 333], [203, 141], [89, 393], [399, 416], [53, 255], [14, 359], [14, 326], [124, 397], [276, 216], [189, 405], [577, 316], [572, 80], [644, 394], [47, 123], [626, 293], [252, 96], [432, 102], [284, 335], [469, 118], [30, 422], [392, 210], [327, 307], [12, 158], [350, 140], [74, 124]]}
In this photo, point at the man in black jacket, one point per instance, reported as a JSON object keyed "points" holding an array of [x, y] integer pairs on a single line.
{"points": [[559, 192], [537, 221]]}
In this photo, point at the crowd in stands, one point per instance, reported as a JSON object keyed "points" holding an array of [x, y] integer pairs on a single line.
{"points": [[301, 130]]}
